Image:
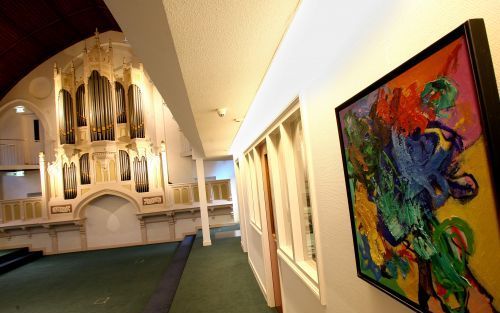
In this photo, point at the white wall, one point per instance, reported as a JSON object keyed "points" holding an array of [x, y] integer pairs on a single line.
{"points": [[111, 221], [16, 187], [179, 167], [332, 51]]}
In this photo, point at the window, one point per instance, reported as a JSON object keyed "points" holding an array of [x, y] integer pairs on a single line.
{"points": [[280, 194], [302, 179], [255, 190], [36, 130], [290, 191]]}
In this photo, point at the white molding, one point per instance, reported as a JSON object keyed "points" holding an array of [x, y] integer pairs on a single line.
{"points": [[313, 192], [259, 281], [256, 228], [301, 273]]}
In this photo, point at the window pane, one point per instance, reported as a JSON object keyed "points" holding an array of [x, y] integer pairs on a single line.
{"points": [[255, 189], [248, 189], [286, 241], [303, 188]]}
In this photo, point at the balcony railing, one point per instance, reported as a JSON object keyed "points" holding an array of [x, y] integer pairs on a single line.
{"points": [[187, 193], [20, 209]]}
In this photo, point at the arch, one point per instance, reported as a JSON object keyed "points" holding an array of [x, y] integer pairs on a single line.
{"points": [[47, 127], [79, 209]]}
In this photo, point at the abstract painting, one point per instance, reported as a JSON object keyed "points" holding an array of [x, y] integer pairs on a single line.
{"points": [[419, 161]]}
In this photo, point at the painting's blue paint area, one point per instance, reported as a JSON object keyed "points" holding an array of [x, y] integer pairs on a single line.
{"points": [[366, 260]]}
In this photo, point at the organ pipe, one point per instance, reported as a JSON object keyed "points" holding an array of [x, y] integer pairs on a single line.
{"points": [[124, 165], [80, 106], [135, 112], [100, 101], [141, 175], [84, 169], [66, 122], [69, 181], [121, 114]]}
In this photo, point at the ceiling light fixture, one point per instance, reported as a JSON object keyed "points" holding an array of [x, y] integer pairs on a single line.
{"points": [[19, 109]]}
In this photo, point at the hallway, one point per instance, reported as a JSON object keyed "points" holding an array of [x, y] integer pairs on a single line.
{"points": [[218, 279]]}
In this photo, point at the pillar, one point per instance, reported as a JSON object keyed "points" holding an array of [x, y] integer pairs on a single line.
{"points": [[171, 228], [205, 226], [55, 244], [144, 232], [43, 183], [164, 166], [83, 237]]}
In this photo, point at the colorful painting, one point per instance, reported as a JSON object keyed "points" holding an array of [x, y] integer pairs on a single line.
{"points": [[418, 169]]}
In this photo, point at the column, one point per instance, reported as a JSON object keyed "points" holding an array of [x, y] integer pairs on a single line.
{"points": [[55, 244], [205, 226], [83, 237], [43, 183], [171, 228], [144, 231], [164, 166]]}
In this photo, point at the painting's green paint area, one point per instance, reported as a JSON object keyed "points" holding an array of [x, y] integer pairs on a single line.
{"points": [[440, 94]]}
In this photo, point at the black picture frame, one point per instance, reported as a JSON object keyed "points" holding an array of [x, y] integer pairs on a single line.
{"points": [[474, 32]]}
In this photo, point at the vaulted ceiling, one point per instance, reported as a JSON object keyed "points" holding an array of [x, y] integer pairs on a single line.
{"points": [[201, 55], [33, 31]]}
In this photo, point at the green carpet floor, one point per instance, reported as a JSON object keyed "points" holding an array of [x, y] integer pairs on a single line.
{"points": [[73, 282], [218, 279]]}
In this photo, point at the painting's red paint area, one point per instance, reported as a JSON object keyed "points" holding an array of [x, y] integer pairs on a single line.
{"points": [[440, 290], [403, 111]]}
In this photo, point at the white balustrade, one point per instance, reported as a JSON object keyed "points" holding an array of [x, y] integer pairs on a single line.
{"points": [[187, 193], [20, 209]]}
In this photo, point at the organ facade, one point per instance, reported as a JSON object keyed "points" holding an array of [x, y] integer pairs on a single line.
{"points": [[103, 141]]}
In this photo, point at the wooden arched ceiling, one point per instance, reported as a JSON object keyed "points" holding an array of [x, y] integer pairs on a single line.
{"points": [[33, 31]]}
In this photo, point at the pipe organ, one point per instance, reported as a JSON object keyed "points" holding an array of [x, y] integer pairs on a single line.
{"points": [[103, 127]]}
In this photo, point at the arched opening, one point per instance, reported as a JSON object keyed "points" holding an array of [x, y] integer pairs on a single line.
{"points": [[111, 221], [47, 129], [22, 136]]}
